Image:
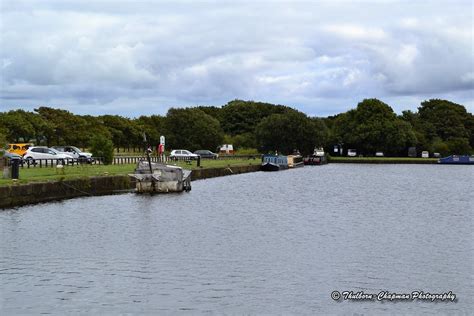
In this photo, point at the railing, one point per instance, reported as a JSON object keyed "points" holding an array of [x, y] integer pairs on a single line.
{"points": [[40, 163], [121, 160]]}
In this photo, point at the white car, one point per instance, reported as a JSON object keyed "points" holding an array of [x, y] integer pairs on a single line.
{"points": [[75, 152], [35, 153], [425, 154], [379, 154], [182, 154]]}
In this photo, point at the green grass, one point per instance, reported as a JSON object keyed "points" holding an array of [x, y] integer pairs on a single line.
{"points": [[219, 163], [71, 172]]}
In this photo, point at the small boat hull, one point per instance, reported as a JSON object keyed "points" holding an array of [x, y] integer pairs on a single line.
{"points": [[457, 160], [315, 160], [269, 166]]}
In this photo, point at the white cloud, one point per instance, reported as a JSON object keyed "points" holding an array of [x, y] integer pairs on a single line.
{"points": [[356, 32]]}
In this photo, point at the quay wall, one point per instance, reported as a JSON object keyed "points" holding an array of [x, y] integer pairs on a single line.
{"points": [[38, 192]]}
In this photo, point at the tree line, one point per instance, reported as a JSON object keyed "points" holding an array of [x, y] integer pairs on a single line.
{"points": [[438, 126]]}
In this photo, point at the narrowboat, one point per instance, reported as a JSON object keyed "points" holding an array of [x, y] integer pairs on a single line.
{"points": [[457, 160], [274, 163], [160, 178]]}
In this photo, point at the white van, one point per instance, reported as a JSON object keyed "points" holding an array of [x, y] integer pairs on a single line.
{"points": [[226, 149]]}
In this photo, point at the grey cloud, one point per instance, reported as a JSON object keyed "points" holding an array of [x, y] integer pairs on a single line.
{"points": [[322, 57]]}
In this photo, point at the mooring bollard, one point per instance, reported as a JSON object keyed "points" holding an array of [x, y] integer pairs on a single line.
{"points": [[199, 161]]}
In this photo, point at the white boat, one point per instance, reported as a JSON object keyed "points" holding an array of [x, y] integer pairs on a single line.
{"points": [[295, 161], [160, 178]]}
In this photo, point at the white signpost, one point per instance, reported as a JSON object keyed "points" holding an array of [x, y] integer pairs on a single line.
{"points": [[162, 147]]}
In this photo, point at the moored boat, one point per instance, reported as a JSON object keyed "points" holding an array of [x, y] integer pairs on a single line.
{"points": [[274, 163], [160, 178], [457, 160], [295, 161], [317, 158]]}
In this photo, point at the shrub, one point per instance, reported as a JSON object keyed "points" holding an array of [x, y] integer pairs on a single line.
{"points": [[102, 147]]}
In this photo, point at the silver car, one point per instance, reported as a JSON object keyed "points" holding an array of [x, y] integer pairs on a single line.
{"points": [[183, 154]]}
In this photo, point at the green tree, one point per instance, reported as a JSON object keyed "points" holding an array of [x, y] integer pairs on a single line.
{"points": [[125, 132], [447, 121], [444, 119], [322, 132], [192, 129], [3, 138], [102, 146], [458, 145], [93, 126], [18, 125], [373, 126], [287, 132], [64, 127], [153, 126], [214, 111], [439, 146], [238, 117]]}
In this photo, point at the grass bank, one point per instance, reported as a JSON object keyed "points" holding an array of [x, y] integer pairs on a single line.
{"points": [[383, 160], [72, 172]]}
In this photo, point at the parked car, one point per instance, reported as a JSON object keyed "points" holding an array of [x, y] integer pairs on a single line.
{"points": [[9, 155], [182, 154], [425, 154], [351, 152], [437, 155], [34, 153], [379, 154], [206, 154], [75, 152]]}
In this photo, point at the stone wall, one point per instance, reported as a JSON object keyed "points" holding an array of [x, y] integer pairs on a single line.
{"points": [[36, 192], [219, 172]]}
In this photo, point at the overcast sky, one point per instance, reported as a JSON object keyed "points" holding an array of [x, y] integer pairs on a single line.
{"points": [[321, 57]]}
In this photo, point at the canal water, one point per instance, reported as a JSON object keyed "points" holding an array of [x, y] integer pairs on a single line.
{"points": [[258, 243]]}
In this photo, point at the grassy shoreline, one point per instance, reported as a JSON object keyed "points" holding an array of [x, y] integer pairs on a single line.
{"points": [[37, 174]]}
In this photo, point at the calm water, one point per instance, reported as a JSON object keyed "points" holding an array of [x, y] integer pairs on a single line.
{"points": [[253, 243]]}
